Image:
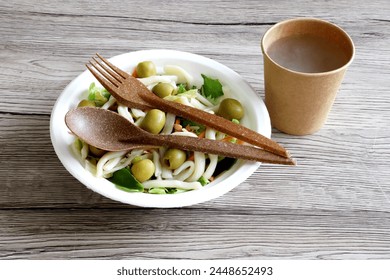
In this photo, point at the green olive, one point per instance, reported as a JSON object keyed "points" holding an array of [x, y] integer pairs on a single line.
{"points": [[154, 121], [143, 170], [163, 89], [146, 69], [173, 158], [96, 151], [86, 103], [230, 109]]}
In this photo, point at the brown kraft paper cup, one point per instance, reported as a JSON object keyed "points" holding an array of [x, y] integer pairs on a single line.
{"points": [[298, 102]]}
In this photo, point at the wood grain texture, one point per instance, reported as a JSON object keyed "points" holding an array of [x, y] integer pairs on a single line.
{"points": [[334, 205], [212, 234]]}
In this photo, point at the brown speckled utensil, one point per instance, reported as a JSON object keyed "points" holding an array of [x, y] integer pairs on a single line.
{"points": [[132, 93], [109, 131]]}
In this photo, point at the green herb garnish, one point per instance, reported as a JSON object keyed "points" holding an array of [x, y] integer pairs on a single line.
{"points": [[124, 180], [211, 89]]}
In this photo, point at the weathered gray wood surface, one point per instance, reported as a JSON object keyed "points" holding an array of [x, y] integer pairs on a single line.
{"points": [[334, 205]]}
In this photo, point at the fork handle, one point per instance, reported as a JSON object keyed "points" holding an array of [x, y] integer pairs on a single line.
{"points": [[221, 148], [213, 121]]}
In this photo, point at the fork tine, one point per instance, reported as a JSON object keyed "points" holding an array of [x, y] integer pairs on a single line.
{"points": [[109, 70], [104, 73], [105, 83], [122, 73]]}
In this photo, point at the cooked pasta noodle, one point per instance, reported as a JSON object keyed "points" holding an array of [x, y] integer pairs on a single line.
{"points": [[210, 134], [157, 164], [122, 163], [200, 163], [124, 112], [169, 122], [197, 104], [84, 150], [204, 100], [137, 113], [172, 184], [110, 164], [104, 159], [111, 101], [153, 80], [182, 75], [185, 170]]}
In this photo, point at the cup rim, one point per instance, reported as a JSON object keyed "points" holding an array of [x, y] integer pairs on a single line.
{"points": [[347, 36]]}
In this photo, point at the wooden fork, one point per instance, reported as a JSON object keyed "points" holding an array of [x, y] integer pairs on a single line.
{"points": [[132, 93]]}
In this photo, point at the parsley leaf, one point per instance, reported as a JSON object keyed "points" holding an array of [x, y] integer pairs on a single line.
{"points": [[212, 88]]}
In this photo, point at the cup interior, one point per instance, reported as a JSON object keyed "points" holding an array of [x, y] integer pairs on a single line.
{"points": [[336, 45]]}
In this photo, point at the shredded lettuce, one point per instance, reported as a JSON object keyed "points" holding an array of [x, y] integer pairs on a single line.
{"points": [[174, 190], [98, 95], [181, 88], [157, 191], [177, 98], [182, 97], [162, 190], [78, 144], [189, 93]]}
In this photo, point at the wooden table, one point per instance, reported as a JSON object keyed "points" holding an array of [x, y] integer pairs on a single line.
{"points": [[334, 205]]}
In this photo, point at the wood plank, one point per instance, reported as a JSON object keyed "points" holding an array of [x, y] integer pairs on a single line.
{"points": [[192, 234]]}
